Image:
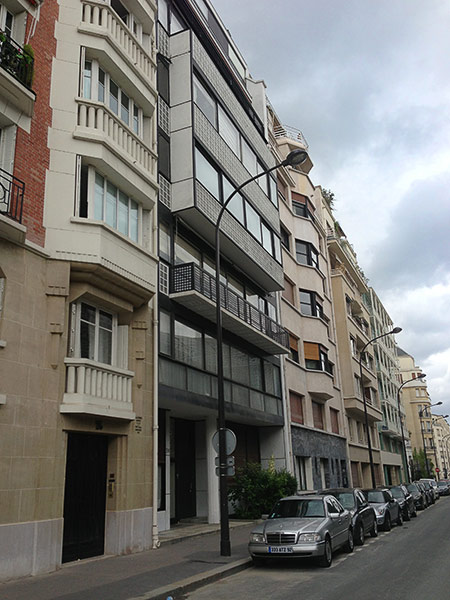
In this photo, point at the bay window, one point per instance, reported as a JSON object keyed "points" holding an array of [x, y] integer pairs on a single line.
{"points": [[306, 254], [115, 208], [310, 304], [316, 358]]}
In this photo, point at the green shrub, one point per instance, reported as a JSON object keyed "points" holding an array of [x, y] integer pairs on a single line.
{"points": [[255, 490]]}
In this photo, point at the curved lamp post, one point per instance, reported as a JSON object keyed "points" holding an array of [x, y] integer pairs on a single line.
{"points": [[294, 158], [366, 418], [405, 459], [421, 413]]}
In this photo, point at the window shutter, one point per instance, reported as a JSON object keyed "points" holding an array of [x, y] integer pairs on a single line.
{"points": [[293, 343], [296, 403], [311, 351]]}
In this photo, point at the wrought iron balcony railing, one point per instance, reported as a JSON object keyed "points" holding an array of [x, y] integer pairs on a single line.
{"points": [[15, 60], [190, 277], [11, 196]]}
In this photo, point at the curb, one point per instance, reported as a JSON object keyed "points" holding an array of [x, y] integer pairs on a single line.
{"points": [[189, 584]]}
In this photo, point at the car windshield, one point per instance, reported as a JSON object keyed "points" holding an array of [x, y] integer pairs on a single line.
{"points": [[346, 499], [442, 484], [397, 493], [412, 487], [298, 509], [426, 485], [375, 496]]}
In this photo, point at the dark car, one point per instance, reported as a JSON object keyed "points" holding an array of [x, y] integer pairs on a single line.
{"points": [[429, 491], [387, 508], [418, 495], [406, 501], [444, 488], [364, 519]]}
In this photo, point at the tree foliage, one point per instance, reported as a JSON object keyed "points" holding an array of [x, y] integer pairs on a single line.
{"points": [[419, 464], [255, 490], [328, 196]]}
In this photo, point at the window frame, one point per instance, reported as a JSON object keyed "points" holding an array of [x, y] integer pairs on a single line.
{"points": [[77, 350]]}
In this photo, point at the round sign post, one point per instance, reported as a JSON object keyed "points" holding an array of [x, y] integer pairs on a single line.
{"points": [[230, 441]]}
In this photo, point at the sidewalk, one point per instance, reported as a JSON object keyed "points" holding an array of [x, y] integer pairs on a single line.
{"points": [[189, 557]]}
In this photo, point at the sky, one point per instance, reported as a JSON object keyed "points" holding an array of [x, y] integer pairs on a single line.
{"points": [[368, 84]]}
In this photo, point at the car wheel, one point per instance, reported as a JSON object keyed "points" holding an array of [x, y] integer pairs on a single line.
{"points": [[387, 523], [350, 544], [327, 558], [359, 534], [408, 515], [414, 514], [374, 531], [399, 520]]}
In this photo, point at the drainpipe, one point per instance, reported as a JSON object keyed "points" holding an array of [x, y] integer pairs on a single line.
{"points": [[155, 538]]}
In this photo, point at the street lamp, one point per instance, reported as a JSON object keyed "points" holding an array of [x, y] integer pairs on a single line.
{"points": [[421, 413], [294, 158], [405, 459], [366, 418]]}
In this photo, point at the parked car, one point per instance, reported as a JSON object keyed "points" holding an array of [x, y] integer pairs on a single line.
{"points": [[387, 508], [444, 488], [433, 485], [303, 526], [364, 518], [406, 501], [419, 496], [429, 490], [426, 492]]}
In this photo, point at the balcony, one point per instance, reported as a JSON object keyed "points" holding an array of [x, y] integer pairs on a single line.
{"points": [[195, 289], [354, 406], [16, 76], [11, 204], [97, 389], [320, 385]]}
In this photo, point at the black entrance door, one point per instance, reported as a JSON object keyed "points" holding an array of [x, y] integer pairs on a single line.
{"points": [[185, 492], [85, 496]]}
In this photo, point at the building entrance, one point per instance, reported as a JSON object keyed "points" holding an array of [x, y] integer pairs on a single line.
{"points": [[85, 496], [185, 488]]}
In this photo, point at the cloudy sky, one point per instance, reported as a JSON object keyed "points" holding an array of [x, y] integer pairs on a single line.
{"points": [[368, 83]]}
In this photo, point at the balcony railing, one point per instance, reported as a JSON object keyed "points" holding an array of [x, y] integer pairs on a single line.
{"points": [[282, 131], [15, 60], [190, 277], [11, 196], [101, 17]]}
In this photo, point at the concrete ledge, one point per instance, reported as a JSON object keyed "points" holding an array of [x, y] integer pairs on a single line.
{"points": [[192, 583]]}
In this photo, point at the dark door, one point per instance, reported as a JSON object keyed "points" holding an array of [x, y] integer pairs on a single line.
{"points": [[85, 496], [185, 492]]}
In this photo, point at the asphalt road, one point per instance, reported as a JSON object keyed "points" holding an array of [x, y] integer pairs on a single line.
{"points": [[411, 562]]}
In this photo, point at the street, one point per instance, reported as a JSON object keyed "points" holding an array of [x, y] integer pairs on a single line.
{"points": [[408, 563]]}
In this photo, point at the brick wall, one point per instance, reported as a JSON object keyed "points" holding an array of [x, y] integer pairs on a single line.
{"points": [[32, 153]]}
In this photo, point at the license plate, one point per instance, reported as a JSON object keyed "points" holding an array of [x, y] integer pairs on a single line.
{"points": [[280, 550]]}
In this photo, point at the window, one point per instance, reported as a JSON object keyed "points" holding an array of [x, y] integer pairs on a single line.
{"points": [[299, 209], [229, 132], [253, 221], [205, 102], [288, 291], [206, 174], [293, 347], [317, 410], [98, 85], [353, 346], [316, 358], [285, 237], [115, 208], [334, 418], [296, 403], [188, 345], [95, 333], [186, 252], [249, 158], [310, 304], [306, 254], [165, 337]]}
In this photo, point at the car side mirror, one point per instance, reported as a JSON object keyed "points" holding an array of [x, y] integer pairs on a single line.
{"points": [[334, 515]]}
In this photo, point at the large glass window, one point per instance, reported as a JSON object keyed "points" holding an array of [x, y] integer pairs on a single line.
{"points": [[206, 174], [253, 221], [188, 345], [249, 158], [306, 254], [87, 79], [96, 334], [229, 132], [165, 338], [205, 102], [115, 208], [186, 252]]}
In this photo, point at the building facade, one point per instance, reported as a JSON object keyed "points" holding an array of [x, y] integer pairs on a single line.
{"points": [[315, 415], [441, 440], [78, 270], [394, 420], [212, 136]]}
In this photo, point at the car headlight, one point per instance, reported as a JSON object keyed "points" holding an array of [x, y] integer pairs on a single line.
{"points": [[257, 538], [309, 537], [380, 511]]}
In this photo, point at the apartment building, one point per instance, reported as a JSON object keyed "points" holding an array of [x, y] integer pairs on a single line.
{"points": [[441, 441], [315, 415], [350, 295], [212, 137], [394, 419], [78, 270], [417, 404]]}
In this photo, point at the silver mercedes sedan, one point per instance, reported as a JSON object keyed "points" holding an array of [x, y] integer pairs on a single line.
{"points": [[302, 526]]}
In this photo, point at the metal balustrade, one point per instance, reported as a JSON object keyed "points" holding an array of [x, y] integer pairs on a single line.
{"points": [[11, 196], [15, 60], [190, 277]]}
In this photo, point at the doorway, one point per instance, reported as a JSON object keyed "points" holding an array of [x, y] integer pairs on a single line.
{"points": [[85, 496], [185, 488]]}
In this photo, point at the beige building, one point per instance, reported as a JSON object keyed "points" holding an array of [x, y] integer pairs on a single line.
{"points": [[78, 271], [441, 442], [352, 316], [417, 404], [315, 415]]}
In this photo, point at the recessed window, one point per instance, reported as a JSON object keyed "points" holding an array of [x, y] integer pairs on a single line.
{"points": [[316, 358], [206, 174], [334, 418], [229, 132], [253, 221], [317, 410], [306, 254], [310, 304], [205, 102], [249, 158], [288, 291], [293, 348], [95, 333], [115, 208], [296, 403]]}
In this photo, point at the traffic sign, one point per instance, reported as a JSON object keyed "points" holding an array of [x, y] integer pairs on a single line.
{"points": [[230, 441]]}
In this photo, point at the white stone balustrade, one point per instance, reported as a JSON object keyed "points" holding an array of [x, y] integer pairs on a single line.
{"points": [[96, 116], [101, 16], [97, 389]]}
